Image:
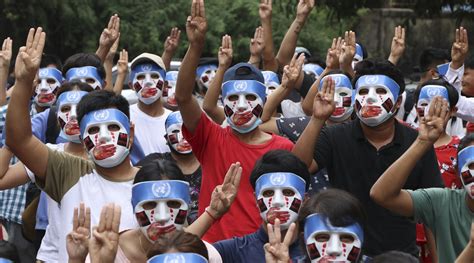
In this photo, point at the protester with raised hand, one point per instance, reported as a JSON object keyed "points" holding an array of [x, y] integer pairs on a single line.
{"points": [[268, 55], [109, 64], [398, 45], [5, 57], [216, 148], [108, 37], [348, 51], [209, 104], [78, 239], [257, 44], [170, 46], [276, 250], [122, 72]]}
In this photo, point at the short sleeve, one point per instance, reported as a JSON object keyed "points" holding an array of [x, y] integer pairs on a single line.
{"points": [[423, 200], [226, 249], [203, 134], [63, 171], [431, 176], [323, 150]]}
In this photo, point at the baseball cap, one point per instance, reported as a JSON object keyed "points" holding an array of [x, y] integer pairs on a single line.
{"points": [[148, 57], [244, 71]]}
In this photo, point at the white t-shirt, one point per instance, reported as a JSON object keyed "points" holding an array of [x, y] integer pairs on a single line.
{"points": [[71, 180], [150, 131]]}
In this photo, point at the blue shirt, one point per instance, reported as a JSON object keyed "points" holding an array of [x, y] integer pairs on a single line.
{"points": [[249, 248]]}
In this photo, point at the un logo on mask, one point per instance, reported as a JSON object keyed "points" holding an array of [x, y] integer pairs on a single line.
{"points": [[240, 85], [174, 259], [433, 91], [146, 67], [43, 72], [101, 115], [161, 190], [82, 72], [73, 96], [277, 179]]}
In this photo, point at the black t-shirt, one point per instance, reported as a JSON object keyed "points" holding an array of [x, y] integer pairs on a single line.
{"points": [[354, 165]]}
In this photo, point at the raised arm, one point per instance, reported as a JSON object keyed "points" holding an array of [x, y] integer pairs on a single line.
{"points": [[290, 76], [398, 45], [387, 191], [5, 58], [196, 27], [108, 37], [171, 45], [109, 64], [19, 137], [288, 45], [122, 71], [348, 50], [268, 56], [212, 95], [323, 107], [460, 48], [222, 198], [257, 44]]}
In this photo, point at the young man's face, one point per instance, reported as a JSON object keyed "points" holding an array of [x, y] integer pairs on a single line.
{"points": [[468, 82]]}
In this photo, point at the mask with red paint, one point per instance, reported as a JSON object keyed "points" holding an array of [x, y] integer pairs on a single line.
{"points": [[67, 115], [375, 99], [106, 135], [279, 195], [49, 79], [148, 82], [205, 74], [342, 97], [160, 207]]}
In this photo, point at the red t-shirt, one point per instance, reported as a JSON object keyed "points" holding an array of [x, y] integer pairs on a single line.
{"points": [[217, 148], [447, 163]]}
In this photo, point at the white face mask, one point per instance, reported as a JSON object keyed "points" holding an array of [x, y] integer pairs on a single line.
{"points": [[160, 207], [427, 93], [67, 115], [327, 243], [49, 79], [466, 169], [149, 86], [375, 99], [204, 81], [343, 99], [106, 136], [176, 139], [243, 111], [169, 95], [279, 196]]}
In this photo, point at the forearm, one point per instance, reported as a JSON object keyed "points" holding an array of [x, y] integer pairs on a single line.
{"points": [[102, 52], [268, 57], [166, 57], [5, 158], [394, 59], [348, 69], [187, 73], [3, 85], [212, 96], [467, 255], [273, 101], [119, 82], [305, 146], [288, 45], [108, 65], [255, 60], [18, 124], [200, 226], [389, 186]]}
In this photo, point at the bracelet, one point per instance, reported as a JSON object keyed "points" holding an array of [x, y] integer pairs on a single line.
{"points": [[209, 213]]}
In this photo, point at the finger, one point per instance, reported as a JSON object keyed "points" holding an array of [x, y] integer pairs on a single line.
{"points": [[333, 45], [444, 110], [87, 223], [75, 219], [109, 216], [103, 212], [117, 23], [346, 36], [353, 38], [237, 177], [277, 231], [9, 44], [439, 103], [125, 56], [178, 35], [193, 8], [29, 38], [41, 42], [82, 216], [4, 45], [116, 218], [463, 35], [229, 174], [98, 236], [289, 234], [466, 38], [202, 10], [111, 21], [230, 42], [403, 33], [293, 60], [457, 36], [271, 234], [332, 90]]}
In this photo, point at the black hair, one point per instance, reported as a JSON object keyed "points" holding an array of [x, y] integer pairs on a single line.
{"points": [[82, 60], [431, 57], [466, 141], [99, 100], [155, 169], [51, 59], [74, 85], [8, 251], [340, 207], [395, 257], [279, 161], [453, 94], [365, 54], [469, 63], [316, 60], [379, 67], [181, 241]]}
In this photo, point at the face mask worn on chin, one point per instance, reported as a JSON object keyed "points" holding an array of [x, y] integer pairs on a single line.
{"points": [[375, 99], [160, 207], [106, 135]]}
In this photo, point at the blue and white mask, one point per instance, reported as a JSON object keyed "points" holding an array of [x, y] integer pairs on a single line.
{"points": [[169, 95], [160, 206], [279, 196], [178, 258], [67, 115], [271, 81], [49, 80], [375, 99], [466, 169], [359, 55], [243, 104], [312, 69], [342, 97], [174, 134], [427, 93], [148, 82], [87, 74], [205, 74], [106, 136], [328, 243]]}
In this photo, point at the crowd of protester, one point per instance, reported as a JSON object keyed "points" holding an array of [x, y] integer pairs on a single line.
{"points": [[282, 158]]}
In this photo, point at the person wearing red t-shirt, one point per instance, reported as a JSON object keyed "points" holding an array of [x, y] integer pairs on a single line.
{"points": [[215, 147], [445, 148]]}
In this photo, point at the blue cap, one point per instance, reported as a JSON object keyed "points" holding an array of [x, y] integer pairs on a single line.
{"points": [[428, 92], [443, 69], [81, 72], [51, 73], [340, 80], [244, 86], [465, 156], [146, 67], [172, 75], [377, 80], [173, 118], [319, 222], [243, 71], [270, 77], [178, 258], [270, 180], [105, 115], [72, 97], [156, 190]]}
